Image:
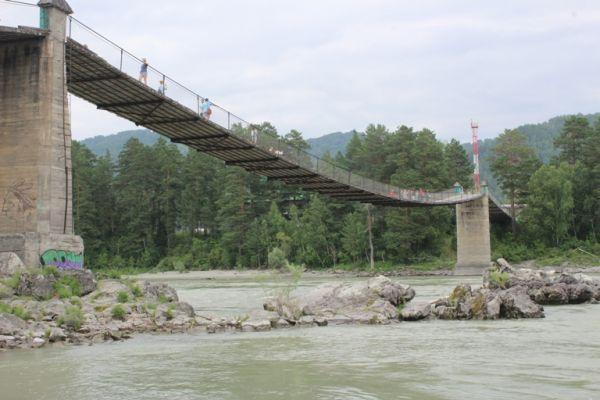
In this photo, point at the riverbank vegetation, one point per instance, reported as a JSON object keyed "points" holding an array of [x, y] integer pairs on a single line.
{"points": [[158, 209]]}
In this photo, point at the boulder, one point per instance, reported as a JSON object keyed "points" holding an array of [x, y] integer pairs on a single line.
{"points": [[256, 325], [554, 294], [38, 286], [6, 292], [416, 311], [85, 278], [159, 292], [10, 263], [56, 335], [107, 292], [516, 303], [504, 266], [580, 293], [373, 301], [11, 325], [185, 308]]}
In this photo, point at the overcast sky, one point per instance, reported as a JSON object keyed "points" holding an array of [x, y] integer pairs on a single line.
{"points": [[336, 65]]}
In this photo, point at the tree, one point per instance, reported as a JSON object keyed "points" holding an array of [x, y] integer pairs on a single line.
{"points": [[458, 165], [573, 138], [550, 203], [512, 163], [354, 238]]}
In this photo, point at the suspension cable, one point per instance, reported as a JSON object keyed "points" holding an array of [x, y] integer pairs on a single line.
{"points": [[19, 3]]}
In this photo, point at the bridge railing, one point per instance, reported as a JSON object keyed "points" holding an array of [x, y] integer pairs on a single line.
{"points": [[130, 64]]}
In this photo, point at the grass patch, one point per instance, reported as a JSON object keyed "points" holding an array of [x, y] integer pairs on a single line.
{"points": [[118, 312], [67, 286], [17, 311], [72, 319], [122, 297], [499, 279]]}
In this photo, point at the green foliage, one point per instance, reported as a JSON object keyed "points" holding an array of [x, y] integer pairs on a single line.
{"points": [[276, 259], [549, 211], [17, 311], [73, 318], [13, 280], [512, 163], [50, 271], [499, 279], [67, 286], [118, 312], [122, 297]]}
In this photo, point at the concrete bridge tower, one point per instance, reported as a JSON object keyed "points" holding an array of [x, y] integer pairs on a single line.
{"points": [[36, 220], [473, 250]]}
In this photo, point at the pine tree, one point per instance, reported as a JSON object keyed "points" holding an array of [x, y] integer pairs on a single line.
{"points": [[513, 163]]}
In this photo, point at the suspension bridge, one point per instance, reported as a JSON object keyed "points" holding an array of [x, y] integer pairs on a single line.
{"points": [[39, 66]]}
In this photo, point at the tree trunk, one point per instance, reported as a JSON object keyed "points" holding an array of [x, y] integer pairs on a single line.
{"points": [[513, 222], [370, 230]]}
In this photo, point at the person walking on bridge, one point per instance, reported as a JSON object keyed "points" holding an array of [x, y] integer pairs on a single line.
{"points": [[144, 71], [206, 111], [162, 87]]}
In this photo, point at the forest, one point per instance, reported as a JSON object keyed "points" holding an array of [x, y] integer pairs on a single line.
{"points": [[153, 207]]}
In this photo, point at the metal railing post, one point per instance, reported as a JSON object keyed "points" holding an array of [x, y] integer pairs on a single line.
{"points": [[121, 63], [228, 120]]}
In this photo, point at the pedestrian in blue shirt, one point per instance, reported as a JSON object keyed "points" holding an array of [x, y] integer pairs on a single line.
{"points": [[144, 72], [206, 111]]}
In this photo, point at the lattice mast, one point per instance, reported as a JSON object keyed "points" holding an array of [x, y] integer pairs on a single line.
{"points": [[476, 176]]}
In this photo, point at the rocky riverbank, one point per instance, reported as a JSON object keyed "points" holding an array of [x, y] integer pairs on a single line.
{"points": [[48, 306], [508, 292]]}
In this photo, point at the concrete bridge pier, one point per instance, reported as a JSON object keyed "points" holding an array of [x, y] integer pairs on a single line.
{"points": [[36, 221], [473, 237]]}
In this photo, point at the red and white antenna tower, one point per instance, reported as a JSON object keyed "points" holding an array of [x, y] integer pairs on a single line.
{"points": [[476, 178]]}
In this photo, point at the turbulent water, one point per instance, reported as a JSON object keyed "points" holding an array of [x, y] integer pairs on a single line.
{"points": [[554, 358]]}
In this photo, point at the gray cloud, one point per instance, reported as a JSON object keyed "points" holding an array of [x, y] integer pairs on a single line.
{"points": [[322, 66]]}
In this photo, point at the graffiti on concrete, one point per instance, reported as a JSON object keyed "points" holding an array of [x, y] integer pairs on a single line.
{"points": [[62, 259], [16, 197]]}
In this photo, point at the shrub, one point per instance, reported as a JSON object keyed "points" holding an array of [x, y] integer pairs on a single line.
{"points": [[20, 312], [276, 259], [169, 312], [17, 311], [50, 270], [72, 319], [76, 301], [118, 312], [122, 297], [67, 286], [137, 292], [14, 280], [499, 279]]}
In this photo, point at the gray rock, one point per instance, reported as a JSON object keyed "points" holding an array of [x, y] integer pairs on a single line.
{"points": [[415, 311], [38, 286], [554, 294], [38, 342], [107, 291], [372, 301], [492, 307], [10, 263], [159, 292], [212, 327], [280, 323], [85, 278], [6, 292], [256, 326], [504, 265], [7, 342], [516, 303], [11, 325], [580, 293], [57, 335], [185, 309]]}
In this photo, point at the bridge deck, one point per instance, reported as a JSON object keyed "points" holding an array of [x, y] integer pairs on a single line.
{"points": [[93, 79]]}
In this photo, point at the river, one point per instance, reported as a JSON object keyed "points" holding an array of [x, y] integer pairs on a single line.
{"points": [[553, 358]]}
